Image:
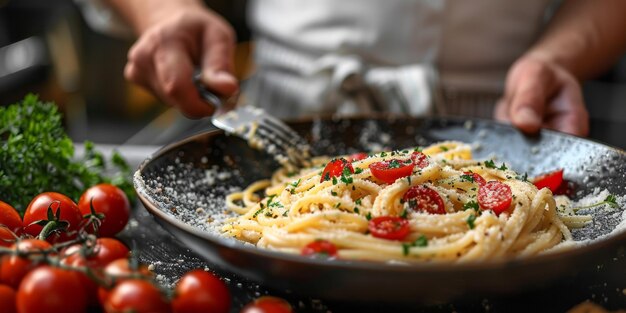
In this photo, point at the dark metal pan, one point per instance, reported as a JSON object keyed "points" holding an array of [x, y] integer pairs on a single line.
{"points": [[174, 186]]}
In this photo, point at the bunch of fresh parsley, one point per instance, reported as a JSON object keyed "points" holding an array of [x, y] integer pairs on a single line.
{"points": [[36, 156]]}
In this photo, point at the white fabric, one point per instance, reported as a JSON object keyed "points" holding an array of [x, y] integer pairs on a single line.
{"points": [[328, 56], [306, 49]]}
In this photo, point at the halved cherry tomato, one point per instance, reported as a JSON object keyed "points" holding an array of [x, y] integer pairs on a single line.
{"points": [[356, 156], [109, 201], [268, 304], [51, 289], [419, 159], [334, 168], [37, 210], [7, 299], [476, 178], [199, 291], [389, 227], [495, 196], [13, 268], [12, 223], [105, 251], [422, 198], [138, 296], [120, 270], [389, 171], [320, 247], [552, 180]]}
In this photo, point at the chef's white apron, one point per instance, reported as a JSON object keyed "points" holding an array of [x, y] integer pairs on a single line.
{"points": [[416, 57]]}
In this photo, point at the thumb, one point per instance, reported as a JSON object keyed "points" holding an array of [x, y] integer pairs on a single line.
{"points": [[217, 66], [529, 96]]}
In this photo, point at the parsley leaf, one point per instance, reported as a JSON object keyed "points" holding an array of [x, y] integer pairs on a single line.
{"points": [[470, 221], [490, 164], [36, 155], [471, 205], [467, 177], [422, 241]]}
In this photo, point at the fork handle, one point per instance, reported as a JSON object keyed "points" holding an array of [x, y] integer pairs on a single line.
{"points": [[208, 96]]}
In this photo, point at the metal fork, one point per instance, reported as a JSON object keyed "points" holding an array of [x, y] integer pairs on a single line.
{"points": [[260, 129]]}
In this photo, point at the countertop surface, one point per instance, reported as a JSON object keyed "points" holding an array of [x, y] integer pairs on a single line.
{"points": [[603, 283]]}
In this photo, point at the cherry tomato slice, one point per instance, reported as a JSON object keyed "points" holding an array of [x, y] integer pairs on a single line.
{"points": [[552, 180], [419, 159], [268, 304], [422, 198], [334, 168], [389, 171], [476, 178], [357, 156], [495, 196], [389, 227], [320, 247]]}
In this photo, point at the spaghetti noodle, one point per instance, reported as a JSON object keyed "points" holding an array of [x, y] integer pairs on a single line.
{"points": [[411, 205]]}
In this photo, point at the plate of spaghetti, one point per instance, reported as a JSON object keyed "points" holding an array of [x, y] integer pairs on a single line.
{"points": [[390, 207]]}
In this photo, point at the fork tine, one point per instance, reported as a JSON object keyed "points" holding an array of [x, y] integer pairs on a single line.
{"points": [[278, 146], [288, 132]]}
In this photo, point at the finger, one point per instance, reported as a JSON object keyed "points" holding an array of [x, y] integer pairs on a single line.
{"points": [[568, 112], [139, 68], [217, 61], [534, 88], [500, 112], [174, 70]]}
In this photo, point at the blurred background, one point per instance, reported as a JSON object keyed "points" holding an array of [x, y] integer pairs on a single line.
{"points": [[47, 48]]}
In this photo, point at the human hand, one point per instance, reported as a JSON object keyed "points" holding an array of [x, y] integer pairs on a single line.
{"points": [[165, 55], [540, 93]]}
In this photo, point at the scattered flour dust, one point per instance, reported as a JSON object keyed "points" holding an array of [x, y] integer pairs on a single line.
{"points": [[606, 220], [191, 194]]}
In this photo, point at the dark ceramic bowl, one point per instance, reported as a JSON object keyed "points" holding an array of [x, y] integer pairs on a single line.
{"points": [[184, 184]]}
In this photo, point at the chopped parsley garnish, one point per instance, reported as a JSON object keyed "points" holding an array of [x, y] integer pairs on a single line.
{"points": [[470, 221], [444, 148], [610, 200], [296, 183], [358, 170], [490, 164], [522, 177], [422, 241], [471, 205], [368, 216], [259, 210], [332, 192], [327, 176], [503, 167], [404, 214], [358, 201], [394, 164], [466, 177], [417, 149], [334, 180], [346, 176], [356, 210], [383, 154], [337, 205], [285, 213]]}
